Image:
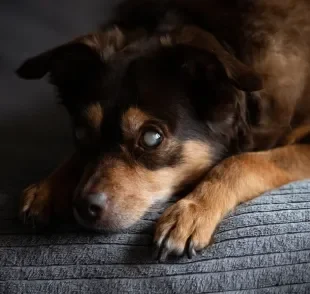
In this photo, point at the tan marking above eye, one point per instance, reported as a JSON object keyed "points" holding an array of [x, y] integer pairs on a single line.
{"points": [[94, 115], [133, 119]]}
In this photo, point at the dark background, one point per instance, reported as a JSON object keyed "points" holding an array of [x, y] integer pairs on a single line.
{"points": [[34, 131]]}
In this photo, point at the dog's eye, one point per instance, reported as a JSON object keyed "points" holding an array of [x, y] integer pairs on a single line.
{"points": [[80, 133], [151, 139]]}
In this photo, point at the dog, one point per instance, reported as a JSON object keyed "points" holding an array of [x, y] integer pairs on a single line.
{"points": [[171, 94]]}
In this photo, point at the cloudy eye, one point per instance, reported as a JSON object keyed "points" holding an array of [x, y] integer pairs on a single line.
{"points": [[80, 133], [151, 139]]}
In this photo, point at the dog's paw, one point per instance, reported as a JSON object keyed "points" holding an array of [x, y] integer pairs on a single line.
{"points": [[185, 227], [35, 205]]}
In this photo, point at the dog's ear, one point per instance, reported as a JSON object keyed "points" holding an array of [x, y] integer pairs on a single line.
{"points": [[240, 75], [80, 57]]}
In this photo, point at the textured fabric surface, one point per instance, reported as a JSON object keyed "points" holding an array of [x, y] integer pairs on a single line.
{"points": [[261, 247]]}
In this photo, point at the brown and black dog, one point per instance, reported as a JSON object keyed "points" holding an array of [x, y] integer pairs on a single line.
{"points": [[212, 93]]}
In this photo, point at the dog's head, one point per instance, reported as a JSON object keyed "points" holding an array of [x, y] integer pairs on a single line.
{"points": [[151, 114]]}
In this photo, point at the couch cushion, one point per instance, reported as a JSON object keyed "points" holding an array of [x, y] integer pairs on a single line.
{"points": [[261, 247]]}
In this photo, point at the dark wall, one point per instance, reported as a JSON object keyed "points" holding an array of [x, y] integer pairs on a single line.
{"points": [[34, 130]]}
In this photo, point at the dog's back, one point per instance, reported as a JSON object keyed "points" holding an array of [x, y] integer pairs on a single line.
{"points": [[276, 44], [271, 36]]}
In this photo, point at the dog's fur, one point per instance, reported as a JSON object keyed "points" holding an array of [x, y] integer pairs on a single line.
{"points": [[226, 84]]}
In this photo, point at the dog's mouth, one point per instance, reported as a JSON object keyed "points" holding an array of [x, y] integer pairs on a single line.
{"points": [[85, 224]]}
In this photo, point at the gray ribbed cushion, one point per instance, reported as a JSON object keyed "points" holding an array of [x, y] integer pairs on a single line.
{"points": [[262, 247]]}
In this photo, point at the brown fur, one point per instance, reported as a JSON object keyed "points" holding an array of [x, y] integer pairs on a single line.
{"points": [[132, 121], [225, 82], [235, 180], [94, 115], [153, 186], [53, 195]]}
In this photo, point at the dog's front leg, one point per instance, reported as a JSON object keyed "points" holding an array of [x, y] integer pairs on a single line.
{"points": [[189, 224], [52, 195]]}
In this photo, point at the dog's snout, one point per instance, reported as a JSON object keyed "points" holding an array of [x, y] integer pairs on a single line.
{"points": [[91, 207]]}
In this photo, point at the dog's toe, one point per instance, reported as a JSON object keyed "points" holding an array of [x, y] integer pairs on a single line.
{"points": [[184, 228], [35, 205]]}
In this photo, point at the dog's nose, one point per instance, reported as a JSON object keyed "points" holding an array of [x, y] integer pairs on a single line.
{"points": [[96, 203], [92, 206]]}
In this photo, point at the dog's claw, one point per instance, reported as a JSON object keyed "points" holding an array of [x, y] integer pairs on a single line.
{"points": [[185, 228], [161, 251], [29, 219], [163, 254], [155, 251], [190, 249]]}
